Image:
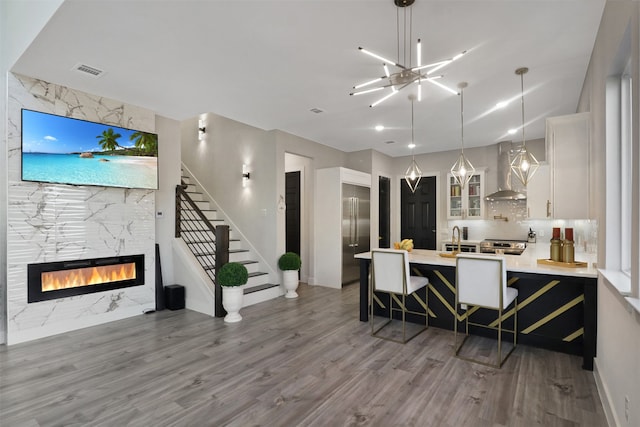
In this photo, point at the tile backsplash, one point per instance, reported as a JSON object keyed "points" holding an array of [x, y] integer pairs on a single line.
{"points": [[517, 226]]}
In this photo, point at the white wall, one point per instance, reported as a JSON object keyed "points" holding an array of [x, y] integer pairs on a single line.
{"points": [[216, 161], [20, 22], [618, 351], [169, 176]]}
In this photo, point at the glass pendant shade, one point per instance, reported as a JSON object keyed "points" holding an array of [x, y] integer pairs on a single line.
{"points": [[524, 165], [462, 170], [413, 175]]}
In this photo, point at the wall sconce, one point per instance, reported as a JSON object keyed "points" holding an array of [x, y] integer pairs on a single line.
{"points": [[245, 175], [201, 129]]}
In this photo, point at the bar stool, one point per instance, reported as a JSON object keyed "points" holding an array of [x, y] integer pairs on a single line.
{"points": [[481, 280], [391, 274]]}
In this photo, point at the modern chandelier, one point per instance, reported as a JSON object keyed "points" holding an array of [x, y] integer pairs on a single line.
{"points": [[413, 175], [462, 170], [524, 164], [406, 74]]}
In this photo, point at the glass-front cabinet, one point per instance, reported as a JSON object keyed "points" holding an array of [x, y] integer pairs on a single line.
{"points": [[467, 202]]}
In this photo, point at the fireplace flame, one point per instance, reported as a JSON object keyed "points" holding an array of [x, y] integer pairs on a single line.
{"points": [[77, 277]]}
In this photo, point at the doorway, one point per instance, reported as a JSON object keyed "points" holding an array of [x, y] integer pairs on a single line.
{"points": [[418, 213], [295, 205], [292, 213], [384, 212]]}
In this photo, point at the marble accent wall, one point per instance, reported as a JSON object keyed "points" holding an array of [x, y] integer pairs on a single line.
{"points": [[50, 222]]}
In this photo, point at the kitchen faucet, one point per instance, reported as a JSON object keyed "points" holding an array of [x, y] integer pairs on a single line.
{"points": [[453, 237]]}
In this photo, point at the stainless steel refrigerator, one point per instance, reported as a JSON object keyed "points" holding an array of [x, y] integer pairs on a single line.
{"points": [[355, 229]]}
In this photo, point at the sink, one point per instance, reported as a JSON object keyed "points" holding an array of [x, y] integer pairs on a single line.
{"points": [[451, 254]]}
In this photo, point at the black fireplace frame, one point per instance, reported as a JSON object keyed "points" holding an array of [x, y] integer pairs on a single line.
{"points": [[34, 277]]}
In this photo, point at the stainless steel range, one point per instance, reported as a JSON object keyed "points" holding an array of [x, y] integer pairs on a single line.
{"points": [[508, 247]]}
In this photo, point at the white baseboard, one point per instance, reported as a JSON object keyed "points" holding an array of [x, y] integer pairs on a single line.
{"points": [[604, 394]]}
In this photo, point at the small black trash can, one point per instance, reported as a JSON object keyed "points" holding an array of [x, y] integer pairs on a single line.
{"points": [[174, 297]]}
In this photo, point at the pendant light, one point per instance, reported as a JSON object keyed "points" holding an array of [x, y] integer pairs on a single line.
{"points": [[413, 175], [524, 165], [462, 170], [403, 72]]}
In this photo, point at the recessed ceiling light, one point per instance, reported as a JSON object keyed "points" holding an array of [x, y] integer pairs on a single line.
{"points": [[502, 104], [512, 131], [379, 128], [412, 145]]}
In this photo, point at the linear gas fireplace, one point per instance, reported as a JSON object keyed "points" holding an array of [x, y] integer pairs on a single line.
{"points": [[54, 280]]}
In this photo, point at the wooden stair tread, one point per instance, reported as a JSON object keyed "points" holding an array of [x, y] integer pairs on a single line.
{"points": [[257, 273]]}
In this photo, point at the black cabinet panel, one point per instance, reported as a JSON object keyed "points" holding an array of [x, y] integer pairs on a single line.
{"points": [[554, 312]]}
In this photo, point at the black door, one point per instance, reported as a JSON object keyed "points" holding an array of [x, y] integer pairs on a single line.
{"points": [[418, 213], [384, 207], [292, 214]]}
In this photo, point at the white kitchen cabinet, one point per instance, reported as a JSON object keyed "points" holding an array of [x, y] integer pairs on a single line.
{"points": [[539, 194], [568, 147], [467, 202]]}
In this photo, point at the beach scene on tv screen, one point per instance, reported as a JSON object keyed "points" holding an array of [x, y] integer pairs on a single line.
{"points": [[64, 150]]}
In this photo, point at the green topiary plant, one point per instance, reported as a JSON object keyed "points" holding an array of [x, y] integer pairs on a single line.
{"points": [[233, 274], [289, 261]]}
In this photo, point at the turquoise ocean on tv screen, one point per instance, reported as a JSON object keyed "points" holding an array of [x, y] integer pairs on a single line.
{"points": [[118, 171]]}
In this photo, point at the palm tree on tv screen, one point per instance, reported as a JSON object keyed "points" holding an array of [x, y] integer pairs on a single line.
{"points": [[145, 142], [109, 140]]}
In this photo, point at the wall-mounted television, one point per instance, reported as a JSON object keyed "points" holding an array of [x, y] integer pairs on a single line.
{"points": [[64, 150]]}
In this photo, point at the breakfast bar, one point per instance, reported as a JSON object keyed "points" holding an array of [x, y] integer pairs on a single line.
{"points": [[556, 304]]}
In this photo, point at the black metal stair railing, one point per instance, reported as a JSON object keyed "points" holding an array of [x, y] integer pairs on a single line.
{"points": [[208, 243]]}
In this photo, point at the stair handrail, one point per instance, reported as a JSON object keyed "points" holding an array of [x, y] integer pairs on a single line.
{"points": [[221, 244], [237, 230], [181, 191]]}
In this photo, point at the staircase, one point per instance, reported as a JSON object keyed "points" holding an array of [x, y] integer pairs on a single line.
{"points": [[200, 238]]}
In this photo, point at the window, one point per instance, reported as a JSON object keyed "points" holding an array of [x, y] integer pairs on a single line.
{"points": [[620, 187], [626, 173]]}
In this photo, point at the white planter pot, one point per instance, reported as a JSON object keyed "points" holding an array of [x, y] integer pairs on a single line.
{"points": [[290, 282], [232, 302]]}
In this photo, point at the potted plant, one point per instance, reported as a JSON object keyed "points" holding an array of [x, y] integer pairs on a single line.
{"points": [[290, 263], [231, 277]]}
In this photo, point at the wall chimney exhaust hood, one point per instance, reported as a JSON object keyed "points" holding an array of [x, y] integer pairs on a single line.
{"points": [[504, 176]]}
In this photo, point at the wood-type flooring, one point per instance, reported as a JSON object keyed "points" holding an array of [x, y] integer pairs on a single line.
{"points": [[302, 362]]}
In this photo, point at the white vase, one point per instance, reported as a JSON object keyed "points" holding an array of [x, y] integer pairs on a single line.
{"points": [[290, 282], [232, 302]]}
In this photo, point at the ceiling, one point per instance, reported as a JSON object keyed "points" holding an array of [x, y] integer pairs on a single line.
{"points": [[269, 63]]}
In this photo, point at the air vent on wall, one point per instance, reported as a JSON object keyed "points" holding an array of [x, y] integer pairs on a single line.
{"points": [[88, 70]]}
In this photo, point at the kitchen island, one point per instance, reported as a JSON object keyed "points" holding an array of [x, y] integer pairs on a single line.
{"points": [[556, 304]]}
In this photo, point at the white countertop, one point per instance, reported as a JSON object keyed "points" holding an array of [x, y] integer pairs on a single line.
{"points": [[525, 263]]}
